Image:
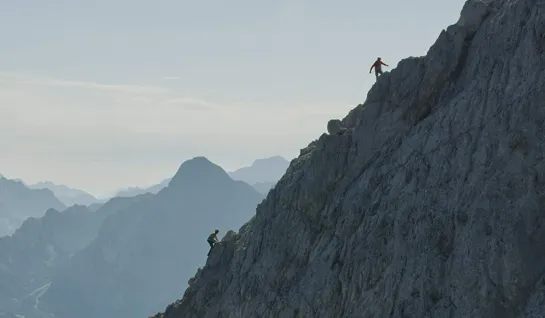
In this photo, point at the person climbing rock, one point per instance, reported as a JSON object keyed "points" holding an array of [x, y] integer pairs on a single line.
{"points": [[378, 67], [212, 240]]}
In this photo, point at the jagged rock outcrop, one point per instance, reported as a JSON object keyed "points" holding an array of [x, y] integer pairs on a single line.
{"points": [[430, 204], [335, 127]]}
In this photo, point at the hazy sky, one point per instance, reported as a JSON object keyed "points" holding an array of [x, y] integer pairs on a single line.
{"points": [[106, 94]]}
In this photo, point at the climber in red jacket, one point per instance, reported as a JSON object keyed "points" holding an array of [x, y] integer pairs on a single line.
{"points": [[378, 67]]}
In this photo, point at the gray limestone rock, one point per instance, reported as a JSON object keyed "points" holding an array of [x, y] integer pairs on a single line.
{"points": [[431, 204], [335, 127]]}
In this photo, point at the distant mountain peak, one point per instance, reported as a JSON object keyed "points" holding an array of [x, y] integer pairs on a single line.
{"points": [[150, 243], [45, 183], [199, 170], [277, 159], [69, 196], [18, 202], [266, 170], [134, 191]]}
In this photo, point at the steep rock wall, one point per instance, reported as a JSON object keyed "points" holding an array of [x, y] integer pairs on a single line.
{"points": [[429, 203]]}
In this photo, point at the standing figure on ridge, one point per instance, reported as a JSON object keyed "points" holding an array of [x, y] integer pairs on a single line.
{"points": [[212, 240], [378, 67]]}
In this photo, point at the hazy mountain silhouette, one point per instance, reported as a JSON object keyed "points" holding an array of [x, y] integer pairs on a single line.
{"points": [[262, 175], [29, 258], [145, 254], [68, 196], [132, 191], [18, 202], [262, 170], [263, 187]]}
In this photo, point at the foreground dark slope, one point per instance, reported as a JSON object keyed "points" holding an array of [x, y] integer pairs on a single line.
{"points": [[430, 204]]}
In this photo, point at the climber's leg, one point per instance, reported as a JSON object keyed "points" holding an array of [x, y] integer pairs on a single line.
{"points": [[378, 72], [211, 246]]}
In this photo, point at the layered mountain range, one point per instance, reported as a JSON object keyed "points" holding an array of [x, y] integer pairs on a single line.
{"points": [[130, 256]]}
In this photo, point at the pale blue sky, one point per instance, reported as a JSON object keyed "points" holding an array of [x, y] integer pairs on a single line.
{"points": [[106, 94]]}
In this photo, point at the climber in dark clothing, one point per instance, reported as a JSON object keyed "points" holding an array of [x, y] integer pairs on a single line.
{"points": [[378, 67], [212, 240]]}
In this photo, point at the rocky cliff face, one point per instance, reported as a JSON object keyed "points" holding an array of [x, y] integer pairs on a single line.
{"points": [[428, 201]]}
